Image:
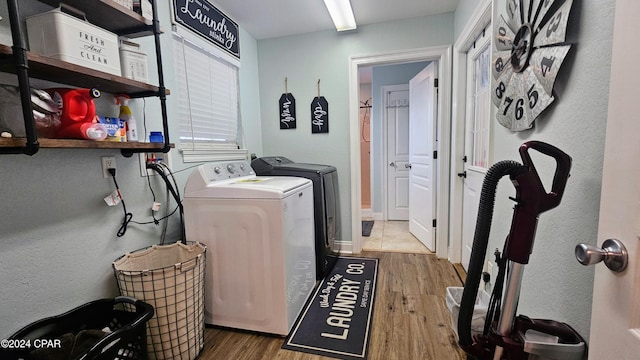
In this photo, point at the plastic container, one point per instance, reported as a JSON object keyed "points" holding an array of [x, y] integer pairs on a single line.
{"points": [[171, 278], [75, 104], [156, 137], [127, 116], [126, 319], [88, 131], [133, 61], [454, 297]]}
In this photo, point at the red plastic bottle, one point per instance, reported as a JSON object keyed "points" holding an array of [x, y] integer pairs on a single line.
{"points": [[75, 106]]}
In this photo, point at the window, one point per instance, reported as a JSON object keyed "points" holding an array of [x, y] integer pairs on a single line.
{"points": [[481, 102], [207, 103]]}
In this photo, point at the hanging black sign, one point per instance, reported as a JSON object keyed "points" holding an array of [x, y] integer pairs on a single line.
{"points": [[287, 111], [319, 115], [207, 21]]}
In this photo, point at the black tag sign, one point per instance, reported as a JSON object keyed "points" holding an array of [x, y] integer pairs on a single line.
{"points": [[319, 115], [207, 21], [287, 111]]}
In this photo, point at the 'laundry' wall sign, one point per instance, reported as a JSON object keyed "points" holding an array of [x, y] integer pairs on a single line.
{"points": [[207, 21]]}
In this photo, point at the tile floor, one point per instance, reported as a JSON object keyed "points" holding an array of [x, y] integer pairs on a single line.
{"points": [[393, 236]]}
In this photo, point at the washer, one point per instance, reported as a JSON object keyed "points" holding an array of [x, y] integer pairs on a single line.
{"points": [[325, 198], [259, 235]]}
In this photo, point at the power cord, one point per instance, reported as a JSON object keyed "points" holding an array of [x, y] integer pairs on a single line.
{"points": [[127, 215]]}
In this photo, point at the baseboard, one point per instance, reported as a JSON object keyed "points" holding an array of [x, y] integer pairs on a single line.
{"points": [[343, 247], [378, 216], [367, 213]]}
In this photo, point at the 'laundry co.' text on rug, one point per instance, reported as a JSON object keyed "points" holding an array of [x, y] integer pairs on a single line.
{"points": [[337, 321]]}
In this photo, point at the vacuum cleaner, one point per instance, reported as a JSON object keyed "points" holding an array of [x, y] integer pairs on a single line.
{"points": [[505, 335]]}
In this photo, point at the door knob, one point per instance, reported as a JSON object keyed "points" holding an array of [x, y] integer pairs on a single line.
{"points": [[613, 253], [463, 174], [392, 164], [407, 166]]}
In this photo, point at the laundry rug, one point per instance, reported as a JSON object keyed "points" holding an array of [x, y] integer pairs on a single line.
{"points": [[367, 225], [336, 321]]}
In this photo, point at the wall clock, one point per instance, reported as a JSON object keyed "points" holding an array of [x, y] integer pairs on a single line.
{"points": [[530, 47]]}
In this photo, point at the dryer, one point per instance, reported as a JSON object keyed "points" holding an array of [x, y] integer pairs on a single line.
{"points": [[259, 233], [326, 201]]}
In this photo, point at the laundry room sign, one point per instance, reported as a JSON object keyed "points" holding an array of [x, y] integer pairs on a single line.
{"points": [[287, 108], [201, 17], [319, 115]]}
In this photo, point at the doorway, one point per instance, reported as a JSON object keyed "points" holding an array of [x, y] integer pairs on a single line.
{"points": [[441, 55]]}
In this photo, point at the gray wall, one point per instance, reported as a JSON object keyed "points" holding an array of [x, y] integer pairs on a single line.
{"points": [[59, 237], [383, 76], [304, 59]]}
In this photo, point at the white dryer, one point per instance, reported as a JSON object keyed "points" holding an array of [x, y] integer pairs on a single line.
{"points": [[259, 233]]}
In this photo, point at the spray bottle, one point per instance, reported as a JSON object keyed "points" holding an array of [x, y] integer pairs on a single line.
{"points": [[127, 116]]}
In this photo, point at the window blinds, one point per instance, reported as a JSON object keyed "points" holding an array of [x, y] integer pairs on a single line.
{"points": [[207, 97]]}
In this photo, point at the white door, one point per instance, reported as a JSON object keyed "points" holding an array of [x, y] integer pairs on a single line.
{"points": [[397, 169], [615, 319], [477, 131], [422, 144]]}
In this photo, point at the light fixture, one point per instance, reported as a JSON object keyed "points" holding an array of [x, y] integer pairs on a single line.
{"points": [[341, 14]]}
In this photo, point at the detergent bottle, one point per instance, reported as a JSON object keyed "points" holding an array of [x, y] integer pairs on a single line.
{"points": [[127, 116], [75, 108]]}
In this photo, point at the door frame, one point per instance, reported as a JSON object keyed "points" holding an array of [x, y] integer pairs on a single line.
{"points": [[385, 137], [441, 54], [479, 20]]}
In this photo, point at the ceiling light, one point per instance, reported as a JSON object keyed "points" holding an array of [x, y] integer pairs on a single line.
{"points": [[341, 14]]}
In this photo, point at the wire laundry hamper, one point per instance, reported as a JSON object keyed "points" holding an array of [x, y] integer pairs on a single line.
{"points": [[171, 278]]}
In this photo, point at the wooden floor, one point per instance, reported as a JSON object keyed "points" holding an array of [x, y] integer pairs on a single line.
{"points": [[410, 321]]}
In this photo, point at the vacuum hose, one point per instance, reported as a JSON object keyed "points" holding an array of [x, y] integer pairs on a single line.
{"points": [[479, 249]]}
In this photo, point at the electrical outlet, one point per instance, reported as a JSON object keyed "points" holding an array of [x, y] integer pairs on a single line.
{"points": [[108, 162]]}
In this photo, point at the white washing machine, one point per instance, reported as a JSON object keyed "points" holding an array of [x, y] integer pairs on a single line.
{"points": [[259, 233]]}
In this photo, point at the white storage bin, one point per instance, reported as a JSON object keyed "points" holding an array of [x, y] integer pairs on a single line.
{"points": [[133, 61], [59, 35], [126, 3], [454, 297]]}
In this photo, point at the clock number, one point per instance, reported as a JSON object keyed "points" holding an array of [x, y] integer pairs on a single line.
{"points": [[554, 24], [500, 90], [512, 7], [502, 32], [519, 109], [533, 97], [507, 101], [499, 65], [546, 64]]}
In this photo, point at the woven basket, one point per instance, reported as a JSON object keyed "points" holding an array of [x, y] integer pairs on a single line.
{"points": [[171, 279]]}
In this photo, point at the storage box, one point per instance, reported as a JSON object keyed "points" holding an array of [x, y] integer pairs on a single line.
{"points": [[126, 3], [59, 35], [454, 297], [133, 61], [145, 9]]}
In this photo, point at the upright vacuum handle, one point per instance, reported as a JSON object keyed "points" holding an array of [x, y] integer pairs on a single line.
{"points": [[560, 178], [533, 199]]}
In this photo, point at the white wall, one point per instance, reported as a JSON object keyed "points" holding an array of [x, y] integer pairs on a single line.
{"points": [[59, 237], [304, 59]]}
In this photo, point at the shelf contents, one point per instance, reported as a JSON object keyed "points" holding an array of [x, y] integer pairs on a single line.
{"points": [[58, 35]]}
